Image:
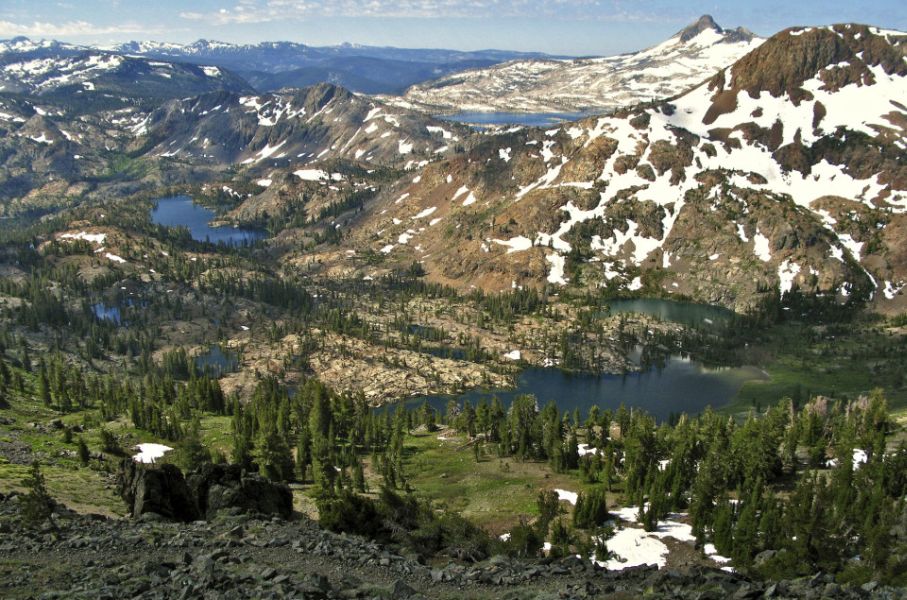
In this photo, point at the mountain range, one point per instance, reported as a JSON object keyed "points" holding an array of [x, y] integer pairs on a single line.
{"points": [[589, 84], [782, 171], [270, 66], [786, 169]]}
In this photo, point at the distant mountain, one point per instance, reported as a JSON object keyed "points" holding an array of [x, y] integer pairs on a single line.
{"points": [[365, 75], [75, 75], [318, 123], [23, 45], [592, 84], [783, 172], [366, 69]]}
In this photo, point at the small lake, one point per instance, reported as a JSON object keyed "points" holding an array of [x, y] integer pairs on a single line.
{"points": [[486, 119], [686, 313], [181, 211], [680, 386], [216, 361], [107, 313]]}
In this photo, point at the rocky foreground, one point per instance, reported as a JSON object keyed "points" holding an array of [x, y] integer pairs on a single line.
{"points": [[237, 555]]}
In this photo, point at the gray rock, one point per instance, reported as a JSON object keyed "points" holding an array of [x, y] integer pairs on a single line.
{"points": [[156, 489], [227, 487], [401, 590]]}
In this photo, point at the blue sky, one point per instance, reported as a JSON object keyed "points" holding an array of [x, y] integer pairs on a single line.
{"points": [[577, 27]]}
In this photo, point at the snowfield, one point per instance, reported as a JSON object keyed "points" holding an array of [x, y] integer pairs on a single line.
{"points": [[150, 453], [580, 85]]}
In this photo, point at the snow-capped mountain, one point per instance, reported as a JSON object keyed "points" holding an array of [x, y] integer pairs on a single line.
{"points": [[784, 171], [24, 45], [43, 68], [593, 84], [291, 129], [367, 69]]}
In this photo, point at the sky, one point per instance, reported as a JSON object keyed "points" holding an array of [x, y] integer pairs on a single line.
{"points": [[564, 27]]}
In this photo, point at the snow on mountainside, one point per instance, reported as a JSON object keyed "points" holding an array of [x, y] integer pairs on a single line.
{"points": [[291, 129], [25, 45], [45, 68], [598, 84], [784, 171], [271, 66]]}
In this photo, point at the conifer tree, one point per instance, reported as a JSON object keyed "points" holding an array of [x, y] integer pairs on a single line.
{"points": [[272, 454], [37, 505]]}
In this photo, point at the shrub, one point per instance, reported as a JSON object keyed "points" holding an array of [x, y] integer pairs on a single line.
{"points": [[109, 442], [349, 513], [524, 541]]}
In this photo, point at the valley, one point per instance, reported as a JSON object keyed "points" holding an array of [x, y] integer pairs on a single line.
{"points": [[545, 325]]}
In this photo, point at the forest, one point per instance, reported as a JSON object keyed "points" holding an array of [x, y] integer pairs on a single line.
{"points": [[787, 491]]}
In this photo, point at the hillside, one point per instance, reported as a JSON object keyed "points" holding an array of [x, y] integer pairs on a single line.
{"points": [[291, 129], [766, 176], [593, 84], [63, 71]]}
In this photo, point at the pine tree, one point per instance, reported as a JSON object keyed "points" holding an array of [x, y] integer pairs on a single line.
{"points": [[358, 476], [591, 509], [272, 454], [43, 385], [746, 528], [83, 451], [37, 505], [193, 452], [242, 437], [303, 452], [723, 529]]}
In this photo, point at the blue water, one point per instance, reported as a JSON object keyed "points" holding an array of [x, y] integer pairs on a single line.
{"points": [[681, 386], [687, 313], [216, 361], [181, 211], [107, 313], [513, 118]]}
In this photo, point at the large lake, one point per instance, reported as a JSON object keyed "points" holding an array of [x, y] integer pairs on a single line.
{"points": [[679, 385], [486, 119], [181, 211]]}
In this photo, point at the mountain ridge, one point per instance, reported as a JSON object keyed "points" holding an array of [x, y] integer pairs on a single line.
{"points": [[590, 85], [719, 195]]}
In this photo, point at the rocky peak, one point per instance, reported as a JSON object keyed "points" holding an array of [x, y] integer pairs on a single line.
{"points": [[704, 23], [707, 23], [315, 97], [840, 55]]}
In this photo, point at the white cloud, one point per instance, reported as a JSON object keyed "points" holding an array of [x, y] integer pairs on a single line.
{"points": [[68, 29], [263, 11]]}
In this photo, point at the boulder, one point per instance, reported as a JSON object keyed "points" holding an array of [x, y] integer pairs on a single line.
{"points": [[161, 490], [219, 487]]}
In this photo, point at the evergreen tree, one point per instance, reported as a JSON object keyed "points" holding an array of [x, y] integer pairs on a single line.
{"points": [[83, 452], [193, 453], [272, 454], [591, 509], [37, 505]]}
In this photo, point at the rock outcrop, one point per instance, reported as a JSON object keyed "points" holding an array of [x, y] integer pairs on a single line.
{"points": [[164, 491], [220, 487], [160, 490]]}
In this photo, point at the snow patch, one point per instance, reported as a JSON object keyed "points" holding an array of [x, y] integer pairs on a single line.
{"points": [[149, 453]]}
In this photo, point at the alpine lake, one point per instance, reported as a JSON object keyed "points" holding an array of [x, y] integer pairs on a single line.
{"points": [[181, 211], [678, 384]]}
